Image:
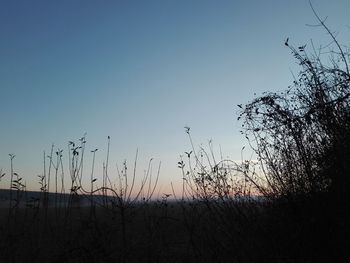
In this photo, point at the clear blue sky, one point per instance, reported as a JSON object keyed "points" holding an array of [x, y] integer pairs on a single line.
{"points": [[139, 71]]}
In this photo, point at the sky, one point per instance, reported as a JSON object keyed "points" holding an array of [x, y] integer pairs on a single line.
{"points": [[139, 71]]}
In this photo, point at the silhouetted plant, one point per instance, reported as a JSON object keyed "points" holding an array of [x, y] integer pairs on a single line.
{"points": [[218, 201], [76, 164], [208, 177], [1, 174], [19, 186], [302, 135], [12, 156]]}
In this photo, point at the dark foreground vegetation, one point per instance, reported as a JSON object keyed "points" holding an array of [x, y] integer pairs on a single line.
{"points": [[290, 205], [166, 231]]}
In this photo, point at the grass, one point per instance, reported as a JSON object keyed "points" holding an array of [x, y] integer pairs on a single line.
{"points": [[215, 219], [169, 231], [291, 206]]}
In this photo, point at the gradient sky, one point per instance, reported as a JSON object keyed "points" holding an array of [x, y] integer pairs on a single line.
{"points": [[139, 71]]}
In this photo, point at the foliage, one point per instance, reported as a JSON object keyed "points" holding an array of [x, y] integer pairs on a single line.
{"points": [[302, 135], [207, 177]]}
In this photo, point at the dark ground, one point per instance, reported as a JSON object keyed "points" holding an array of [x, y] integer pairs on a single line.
{"points": [[279, 231]]}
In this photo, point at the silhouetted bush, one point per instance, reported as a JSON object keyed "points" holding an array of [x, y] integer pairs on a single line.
{"points": [[302, 135]]}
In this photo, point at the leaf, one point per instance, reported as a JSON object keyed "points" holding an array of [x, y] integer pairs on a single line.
{"points": [[302, 48], [188, 154]]}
